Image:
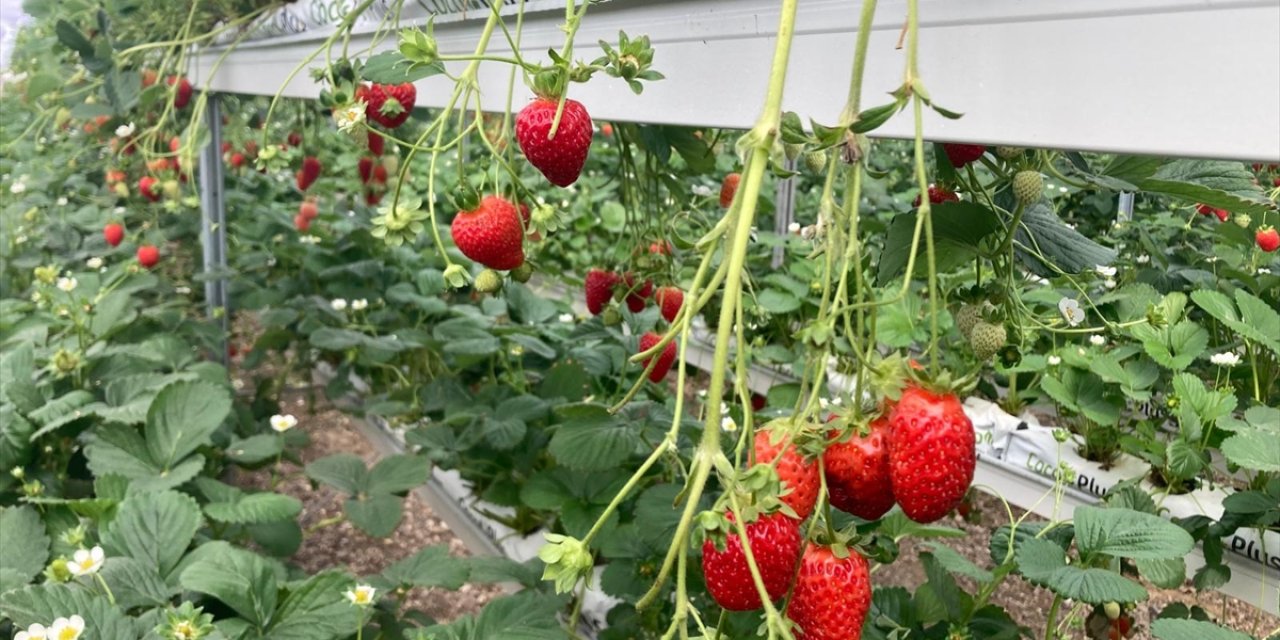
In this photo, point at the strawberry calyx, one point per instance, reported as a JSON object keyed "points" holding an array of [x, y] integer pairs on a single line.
{"points": [[465, 197], [548, 83]]}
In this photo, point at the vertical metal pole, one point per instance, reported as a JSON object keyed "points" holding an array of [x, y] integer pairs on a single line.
{"points": [[784, 211], [1124, 208], [213, 223]]}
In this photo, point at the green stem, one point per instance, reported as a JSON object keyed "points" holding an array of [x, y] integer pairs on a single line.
{"points": [[1053, 616]]}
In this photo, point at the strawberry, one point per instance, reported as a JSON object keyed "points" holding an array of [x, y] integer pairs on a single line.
{"points": [[986, 339], [377, 143], [1223, 214], [598, 288], [365, 167], [931, 453], [1028, 186], [729, 188], [388, 104], [294, 139], [250, 149], [183, 95], [669, 299], [962, 154], [113, 233], [148, 255], [858, 472], [380, 173], [1206, 210], [301, 223], [660, 248], [226, 147], [490, 234], [559, 158], [606, 130], [372, 198], [237, 160], [775, 542], [149, 77], [309, 172], [308, 210], [799, 475], [149, 187], [758, 402], [1268, 238], [938, 195], [832, 595], [175, 143], [115, 175], [665, 359], [636, 296]]}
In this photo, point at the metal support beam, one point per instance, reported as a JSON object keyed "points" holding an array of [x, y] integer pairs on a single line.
{"points": [[213, 223], [784, 211]]}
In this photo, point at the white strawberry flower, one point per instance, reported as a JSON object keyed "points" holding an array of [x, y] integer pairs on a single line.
{"points": [[350, 117], [1109, 283], [793, 228], [67, 284], [1071, 311], [1054, 361], [359, 304], [62, 202], [1225, 359], [282, 423], [701, 190], [1097, 340], [566, 318], [361, 595], [728, 424], [1263, 271], [125, 130], [94, 263], [36, 631], [17, 187], [86, 562], [66, 628], [338, 304], [1143, 259], [1105, 271]]}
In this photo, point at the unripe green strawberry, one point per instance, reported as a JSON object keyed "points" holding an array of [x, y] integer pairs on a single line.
{"points": [[792, 150], [522, 273], [1008, 153], [815, 161], [1242, 220], [986, 339], [612, 317], [489, 281], [968, 316], [1112, 610], [1027, 186]]}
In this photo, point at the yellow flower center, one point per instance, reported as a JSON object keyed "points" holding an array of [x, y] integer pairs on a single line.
{"points": [[68, 633]]}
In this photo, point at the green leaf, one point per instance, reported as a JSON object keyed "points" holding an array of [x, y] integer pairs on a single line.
{"points": [[343, 471], [398, 474], [1043, 562], [1217, 183], [593, 440], [504, 434], [1174, 629], [872, 118], [315, 609], [18, 378], [241, 579], [182, 417], [254, 449], [1254, 317], [391, 67], [958, 231], [1166, 573], [1125, 533], [135, 584], [47, 602], [154, 529], [73, 39], [430, 567], [255, 508], [1173, 347], [1255, 449], [777, 302], [331, 339], [528, 615], [1082, 392], [26, 545], [1044, 244], [952, 561], [60, 411], [377, 515]]}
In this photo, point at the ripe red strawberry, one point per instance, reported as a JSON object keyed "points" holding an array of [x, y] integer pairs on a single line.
{"points": [[938, 195], [226, 146], [372, 198], [388, 104], [636, 295], [380, 173], [149, 187], [931, 453], [183, 95], [175, 143], [365, 167], [115, 175], [775, 542], [1268, 238], [301, 223], [148, 255], [660, 248], [560, 159], [1223, 214], [799, 475], [149, 77], [665, 359], [729, 188], [758, 402], [858, 473], [962, 154], [309, 172], [237, 160], [113, 233], [308, 210], [606, 130], [376, 143], [669, 300], [832, 595], [294, 139], [490, 234], [598, 289]]}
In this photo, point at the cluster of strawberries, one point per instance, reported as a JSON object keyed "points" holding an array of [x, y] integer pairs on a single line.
{"points": [[148, 255]]}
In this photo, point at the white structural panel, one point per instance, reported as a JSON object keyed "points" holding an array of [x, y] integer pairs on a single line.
{"points": [[1196, 78]]}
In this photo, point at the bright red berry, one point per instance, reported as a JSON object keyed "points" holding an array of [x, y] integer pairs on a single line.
{"points": [[938, 195], [775, 542], [301, 222], [758, 402], [598, 288], [729, 188], [148, 255], [294, 139], [183, 95], [380, 174], [636, 294], [372, 198], [388, 104], [309, 172], [376, 143], [113, 233], [832, 595], [149, 187], [665, 359], [365, 167], [669, 300], [799, 475], [962, 154], [308, 210], [559, 158], [490, 234], [931, 453], [237, 160], [1268, 239], [858, 472]]}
